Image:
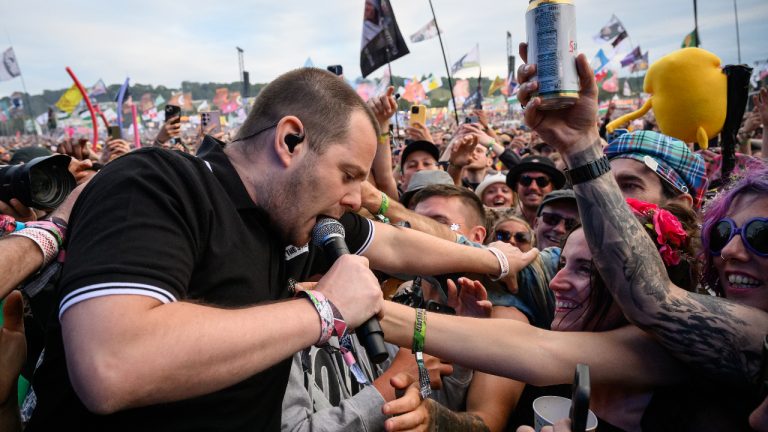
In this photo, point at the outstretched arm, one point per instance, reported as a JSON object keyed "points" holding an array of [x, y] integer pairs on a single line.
{"points": [[720, 337]]}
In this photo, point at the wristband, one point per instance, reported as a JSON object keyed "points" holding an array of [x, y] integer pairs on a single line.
{"points": [[503, 263], [8, 225], [384, 138], [44, 240], [383, 208], [51, 227], [324, 310], [419, 336]]}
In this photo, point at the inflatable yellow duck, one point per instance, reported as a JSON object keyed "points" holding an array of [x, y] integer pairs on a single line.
{"points": [[688, 95]]}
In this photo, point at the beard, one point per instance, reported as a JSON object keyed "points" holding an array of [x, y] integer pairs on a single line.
{"points": [[288, 206]]}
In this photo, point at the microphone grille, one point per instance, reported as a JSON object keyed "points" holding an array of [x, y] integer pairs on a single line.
{"points": [[325, 228]]}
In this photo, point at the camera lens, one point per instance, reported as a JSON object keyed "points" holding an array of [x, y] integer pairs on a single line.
{"points": [[43, 183]]}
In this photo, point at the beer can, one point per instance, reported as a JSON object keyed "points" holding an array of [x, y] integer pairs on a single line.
{"points": [[551, 31]]}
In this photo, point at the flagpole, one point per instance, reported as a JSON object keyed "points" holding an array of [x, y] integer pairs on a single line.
{"points": [[392, 83], [738, 38], [696, 23], [27, 101], [445, 60]]}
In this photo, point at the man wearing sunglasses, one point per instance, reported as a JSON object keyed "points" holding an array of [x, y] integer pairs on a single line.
{"points": [[532, 179], [556, 217]]}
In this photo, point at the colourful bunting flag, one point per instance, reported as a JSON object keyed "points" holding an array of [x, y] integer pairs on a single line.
{"points": [[70, 99]]}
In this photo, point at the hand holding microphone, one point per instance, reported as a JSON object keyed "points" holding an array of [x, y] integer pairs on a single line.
{"points": [[352, 287]]}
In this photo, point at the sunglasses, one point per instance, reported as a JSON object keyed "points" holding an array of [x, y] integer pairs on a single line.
{"points": [[553, 219], [521, 237], [754, 234], [540, 181]]}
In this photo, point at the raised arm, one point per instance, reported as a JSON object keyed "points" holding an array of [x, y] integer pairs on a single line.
{"points": [[720, 337]]}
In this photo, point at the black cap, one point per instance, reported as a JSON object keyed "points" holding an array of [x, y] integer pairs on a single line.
{"points": [[536, 163], [424, 146], [558, 195]]}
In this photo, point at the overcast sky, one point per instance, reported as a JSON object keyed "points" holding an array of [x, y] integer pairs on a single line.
{"points": [[164, 42]]}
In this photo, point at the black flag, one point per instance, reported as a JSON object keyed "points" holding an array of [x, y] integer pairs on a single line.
{"points": [[382, 41]]}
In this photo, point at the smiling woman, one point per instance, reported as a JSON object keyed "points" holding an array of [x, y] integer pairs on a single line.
{"points": [[735, 237]]}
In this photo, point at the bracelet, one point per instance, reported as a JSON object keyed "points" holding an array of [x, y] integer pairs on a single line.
{"points": [[384, 138], [51, 227], [324, 310], [44, 240], [503, 263], [588, 171], [383, 208], [419, 335], [8, 225]]}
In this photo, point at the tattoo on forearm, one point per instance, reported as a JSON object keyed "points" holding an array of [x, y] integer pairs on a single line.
{"points": [[707, 332], [443, 419]]}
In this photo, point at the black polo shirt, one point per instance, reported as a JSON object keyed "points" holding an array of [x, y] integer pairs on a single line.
{"points": [[173, 227]]}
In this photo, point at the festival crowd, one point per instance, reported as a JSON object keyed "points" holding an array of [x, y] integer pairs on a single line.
{"points": [[181, 285]]}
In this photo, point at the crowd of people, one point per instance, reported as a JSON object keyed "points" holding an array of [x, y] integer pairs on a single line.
{"points": [[183, 286]]}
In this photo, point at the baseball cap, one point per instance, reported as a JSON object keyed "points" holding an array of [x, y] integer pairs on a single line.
{"points": [[26, 154], [558, 195], [424, 146], [668, 157], [422, 179]]}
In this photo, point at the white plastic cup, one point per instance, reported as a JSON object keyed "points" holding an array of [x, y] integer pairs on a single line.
{"points": [[549, 409]]}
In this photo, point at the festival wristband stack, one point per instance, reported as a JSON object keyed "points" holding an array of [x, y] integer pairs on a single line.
{"points": [[419, 335], [331, 320], [503, 263], [8, 225]]}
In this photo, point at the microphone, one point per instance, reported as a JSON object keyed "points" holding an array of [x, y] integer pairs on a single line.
{"points": [[329, 233]]}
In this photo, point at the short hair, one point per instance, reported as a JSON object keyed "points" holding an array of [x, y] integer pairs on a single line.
{"points": [[321, 100], [469, 198]]}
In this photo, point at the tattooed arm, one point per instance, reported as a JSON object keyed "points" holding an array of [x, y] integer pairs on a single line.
{"points": [[718, 336], [443, 419]]}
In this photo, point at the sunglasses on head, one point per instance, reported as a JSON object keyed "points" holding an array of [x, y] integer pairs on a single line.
{"points": [[520, 237], [540, 181], [553, 219], [754, 234]]}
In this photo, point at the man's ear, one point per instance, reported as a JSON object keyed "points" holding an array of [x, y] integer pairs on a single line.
{"points": [[289, 133], [477, 234], [685, 200]]}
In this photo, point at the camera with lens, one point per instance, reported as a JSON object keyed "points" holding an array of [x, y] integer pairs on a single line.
{"points": [[42, 183]]}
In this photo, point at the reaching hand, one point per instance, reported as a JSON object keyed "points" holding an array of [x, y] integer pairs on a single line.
{"points": [[171, 129], [564, 127], [384, 107], [114, 149], [517, 261], [409, 411], [13, 345], [472, 301], [418, 132], [79, 150], [462, 150]]}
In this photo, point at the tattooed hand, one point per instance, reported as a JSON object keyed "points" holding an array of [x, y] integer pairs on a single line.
{"points": [[566, 129]]}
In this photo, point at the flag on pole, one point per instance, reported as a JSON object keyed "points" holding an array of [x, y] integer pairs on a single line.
{"points": [[611, 83], [497, 84], [691, 39], [9, 69], [427, 32], [610, 31], [431, 83], [632, 57], [640, 64], [461, 89], [600, 61], [414, 91], [468, 60], [627, 88], [122, 94], [384, 82], [98, 89], [382, 41], [159, 100], [70, 99]]}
